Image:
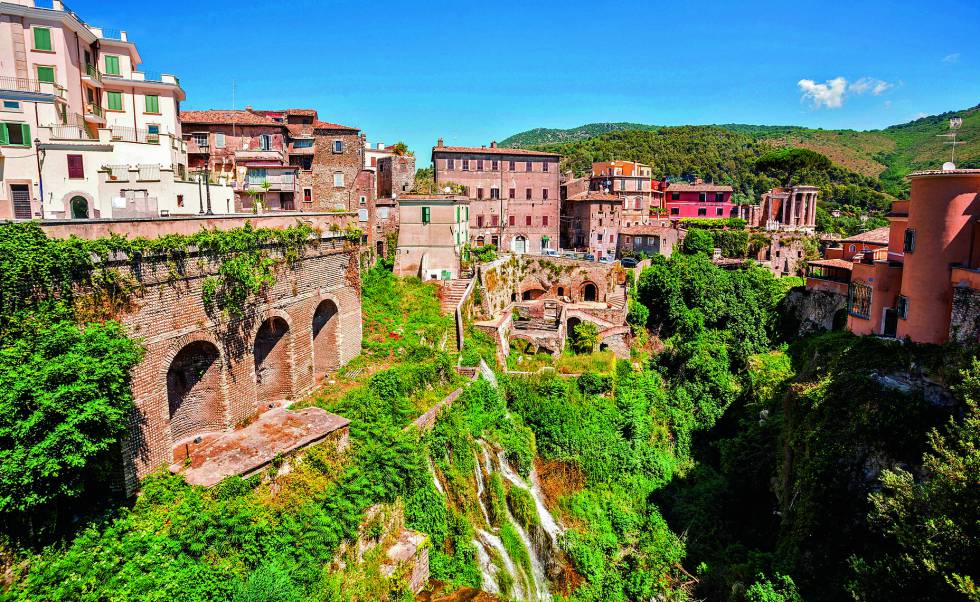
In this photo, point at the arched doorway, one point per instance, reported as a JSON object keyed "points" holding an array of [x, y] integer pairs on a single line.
{"points": [[840, 320], [273, 368], [570, 325], [589, 292], [79, 207], [520, 245], [194, 391], [561, 291], [325, 346], [532, 294]]}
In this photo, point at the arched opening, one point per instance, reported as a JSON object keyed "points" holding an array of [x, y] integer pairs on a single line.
{"points": [[480, 241], [326, 356], [513, 296], [589, 292], [79, 207], [380, 247], [570, 325], [194, 391], [532, 294], [273, 368], [561, 291], [520, 244], [840, 320]]}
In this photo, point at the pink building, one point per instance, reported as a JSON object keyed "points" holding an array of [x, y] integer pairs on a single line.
{"points": [[633, 183], [591, 223], [514, 194], [713, 201]]}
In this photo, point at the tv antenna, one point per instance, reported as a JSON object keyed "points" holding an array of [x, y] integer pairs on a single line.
{"points": [[955, 123]]}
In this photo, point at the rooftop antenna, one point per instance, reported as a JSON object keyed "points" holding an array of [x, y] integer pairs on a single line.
{"points": [[233, 107], [955, 123]]}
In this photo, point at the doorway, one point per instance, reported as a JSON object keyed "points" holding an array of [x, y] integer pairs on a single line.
{"points": [[890, 323], [79, 208], [20, 194]]}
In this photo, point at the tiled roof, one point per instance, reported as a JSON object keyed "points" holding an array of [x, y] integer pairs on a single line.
{"points": [[875, 237], [595, 196], [299, 130], [684, 187], [301, 112], [324, 125], [644, 230], [491, 150], [833, 263], [222, 117]]}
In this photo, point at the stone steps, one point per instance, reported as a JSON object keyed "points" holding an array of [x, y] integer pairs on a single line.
{"points": [[452, 294]]}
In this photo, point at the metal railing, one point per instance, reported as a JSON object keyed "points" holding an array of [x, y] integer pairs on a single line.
{"points": [[131, 134], [92, 72], [148, 173], [21, 84], [70, 132], [118, 173], [111, 34], [94, 109]]}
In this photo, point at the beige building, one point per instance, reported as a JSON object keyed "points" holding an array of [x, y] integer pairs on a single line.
{"points": [[84, 131], [432, 232]]}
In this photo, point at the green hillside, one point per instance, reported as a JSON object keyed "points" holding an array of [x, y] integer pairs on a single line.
{"points": [[887, 155]]}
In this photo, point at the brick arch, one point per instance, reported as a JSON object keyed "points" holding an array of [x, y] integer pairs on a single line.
{"points": [[272, 354], [584, 291], [325, 332], [195, 384]]}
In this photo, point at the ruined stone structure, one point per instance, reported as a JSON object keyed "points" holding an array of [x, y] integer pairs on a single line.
{"points": [[793, 208], [396, 175], [785, 253], [203, 373]]}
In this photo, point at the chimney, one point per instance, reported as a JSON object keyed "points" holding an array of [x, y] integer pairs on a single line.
{"points": [[439, 142], [493, 144], [381, 146]]}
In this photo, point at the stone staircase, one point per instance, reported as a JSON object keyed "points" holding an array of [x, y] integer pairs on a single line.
{"points": [[617, 300], [452, 293]]}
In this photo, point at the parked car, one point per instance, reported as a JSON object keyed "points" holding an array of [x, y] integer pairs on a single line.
{"points": [[589, 257], [607, 259], [569, 255], [628, 262], [550, 253]]}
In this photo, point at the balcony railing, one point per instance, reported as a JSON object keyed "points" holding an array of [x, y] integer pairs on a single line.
{"points": [[92, 72], [118, 173], [93, 109], [70, 132], [149, 173], [26, 84], [129, 134]]}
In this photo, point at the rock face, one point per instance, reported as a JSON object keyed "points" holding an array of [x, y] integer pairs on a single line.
{"points": [[410, 554], [805, 311], [964, 318]]}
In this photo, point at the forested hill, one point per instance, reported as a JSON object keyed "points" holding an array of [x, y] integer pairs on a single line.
{"points": [[887, 154]]}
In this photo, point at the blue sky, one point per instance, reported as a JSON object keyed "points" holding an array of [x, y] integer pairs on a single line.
{"points": [[473, 72]]}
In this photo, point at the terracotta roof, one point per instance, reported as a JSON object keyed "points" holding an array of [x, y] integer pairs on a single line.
{"points": [[491, 150], [684, 187], [302, 112], [221, 117], [325, 125], [595, 196], [644, 230], [833, 263], [875, 237], [300, 130]]}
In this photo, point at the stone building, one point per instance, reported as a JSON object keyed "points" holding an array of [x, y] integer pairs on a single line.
{"points": [[432, 232], [591, 223], [396, 175], [338, 153], [656, 238], [514, 194], [633, 183], [793, 208]]}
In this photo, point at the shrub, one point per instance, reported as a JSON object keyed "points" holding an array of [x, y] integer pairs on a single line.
{"points": [[699, 241]]}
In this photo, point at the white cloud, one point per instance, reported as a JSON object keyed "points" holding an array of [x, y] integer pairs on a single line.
{"points": [[869, 84], [829, 94], [952, 57]]}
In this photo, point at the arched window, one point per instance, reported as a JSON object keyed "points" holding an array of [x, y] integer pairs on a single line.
{"points": [[79, 208]]}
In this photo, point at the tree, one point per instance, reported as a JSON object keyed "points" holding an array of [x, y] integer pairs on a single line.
{"points": [[764, 590], [699, 241], [586, 337], [788, 162]]}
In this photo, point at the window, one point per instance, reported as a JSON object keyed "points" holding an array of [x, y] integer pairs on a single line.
{"points": [[494, 221], [479, 221], [362, 215], [494, 193], [902, 307], [479, 193], [512, 220], [114, 101], [513, 166], [362, 200], [544, 193], [382, 213], [675, 196], [675, 211], [466, 164], [265, 142], [153, 134], [544, 220], [307, 195], [42, 39], [201, 140], [426, 215], [527, 220], [859, 300], [257, 175], [11, 105], [544, 166], [45, 74], [702, 211], [702, 197], [528, 166], [112, 65], [527, 194], [450, 164], [852, 249], [338, 179], [512, 193], [720, 197], [308, 144], [494, 165], [598, 237], [909, 240], [76, 168], [152, 103], [219, 140], [720, 211], [180, 200], [479, 164], [15, 134], [338, 146]]}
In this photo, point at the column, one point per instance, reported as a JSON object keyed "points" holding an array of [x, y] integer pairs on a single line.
{"points": [[813, 209]]}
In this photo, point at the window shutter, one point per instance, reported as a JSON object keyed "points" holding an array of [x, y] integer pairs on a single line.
{"points": [[45, 74], [152, 103], [26, 132], [111, 65], [42, 38], [4, 139], [76, 167]]}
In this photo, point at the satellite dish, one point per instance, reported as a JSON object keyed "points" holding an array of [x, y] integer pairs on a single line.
{"points": [[949, 166]]}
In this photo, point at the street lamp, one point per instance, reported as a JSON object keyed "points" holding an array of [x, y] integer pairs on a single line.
{"points": [[39, 154], [206, 149]]}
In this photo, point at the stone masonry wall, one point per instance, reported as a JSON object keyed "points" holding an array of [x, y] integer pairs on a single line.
{"points": [[200, 374], [964, 318], [326, 163]]}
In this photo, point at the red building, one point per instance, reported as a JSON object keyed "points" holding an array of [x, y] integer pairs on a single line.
{"points": [[514, 194], [699, 199]]}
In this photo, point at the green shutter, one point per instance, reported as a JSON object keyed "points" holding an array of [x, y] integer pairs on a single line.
{"points": [[152, 103], [425, 215], [111, 65], [45, 74], [42, 38], [114, 101], [26, 131], [4, 139]]}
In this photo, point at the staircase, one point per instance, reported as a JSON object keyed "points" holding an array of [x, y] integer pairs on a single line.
{"points": [[617, 299], [452, 294]]}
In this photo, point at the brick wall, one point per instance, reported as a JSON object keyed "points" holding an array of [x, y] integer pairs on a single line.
{"points": [[554, 277], [200, 375], [396, 175], [327, 163]]}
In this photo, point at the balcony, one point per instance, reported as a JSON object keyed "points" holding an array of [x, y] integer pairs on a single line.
{"points": [[129, 134], [277, 155], [71, 132], [94, 113], [277, 183], [92, 76], [25, 84]]}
